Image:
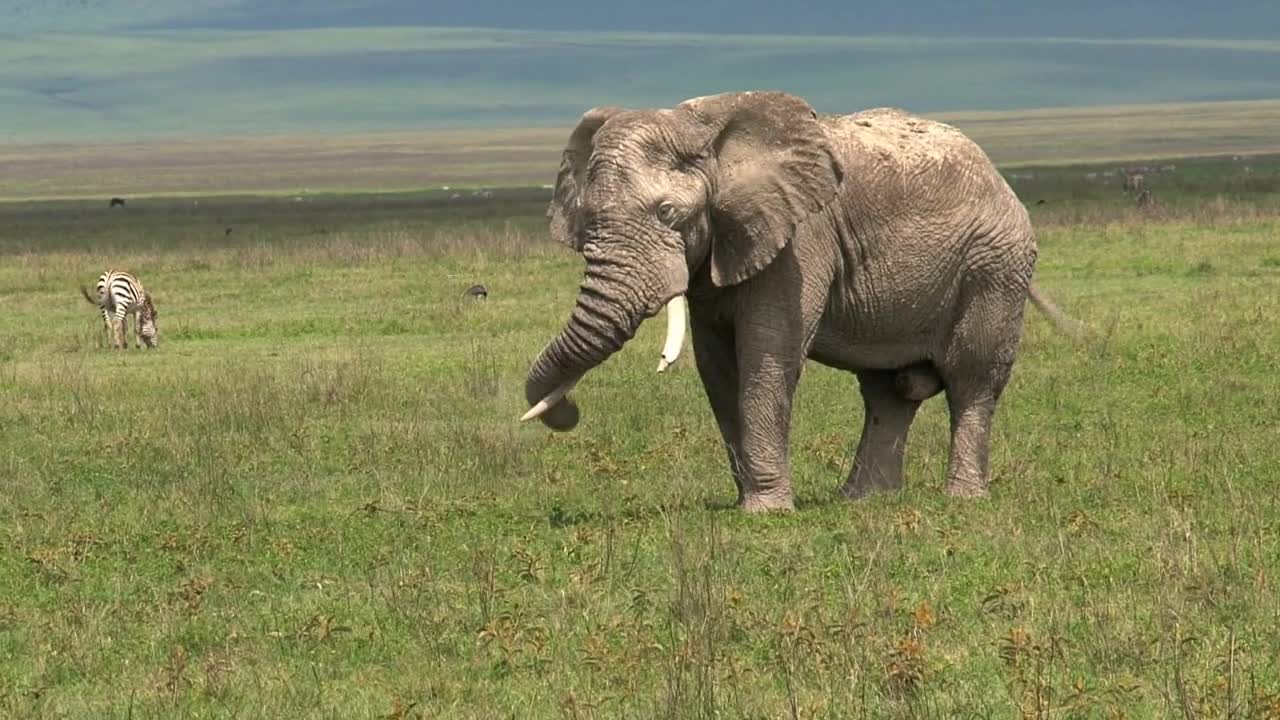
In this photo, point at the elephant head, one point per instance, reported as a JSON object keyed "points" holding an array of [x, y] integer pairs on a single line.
{"points": [[649, 197]]}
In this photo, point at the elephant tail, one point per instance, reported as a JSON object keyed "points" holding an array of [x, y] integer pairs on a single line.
{"points": [[1070, 326]]}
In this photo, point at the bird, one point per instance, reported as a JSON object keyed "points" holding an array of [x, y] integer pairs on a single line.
{"points": [[477, 292]]}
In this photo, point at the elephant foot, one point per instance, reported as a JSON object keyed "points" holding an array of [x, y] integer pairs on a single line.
{"points": [[762, 502], [876, 469], [861, 484], [962, 488]]}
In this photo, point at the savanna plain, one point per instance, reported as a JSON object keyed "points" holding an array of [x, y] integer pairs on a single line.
{"points": [[314, 499]]}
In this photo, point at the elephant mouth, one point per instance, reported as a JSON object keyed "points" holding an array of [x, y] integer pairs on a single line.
{"points": [[673, 344]]}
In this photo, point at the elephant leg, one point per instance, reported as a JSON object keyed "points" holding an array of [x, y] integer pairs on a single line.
{"points": [[972, 414], [775, 324], [764, 406], [975, 372], [887, 417], [713, 350]]}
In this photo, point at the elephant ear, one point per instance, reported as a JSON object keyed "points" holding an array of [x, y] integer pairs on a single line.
{"points": [[563, 211], [776, 168]]}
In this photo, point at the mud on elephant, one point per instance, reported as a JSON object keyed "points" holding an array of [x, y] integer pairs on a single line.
{"points": [[879, 243]]}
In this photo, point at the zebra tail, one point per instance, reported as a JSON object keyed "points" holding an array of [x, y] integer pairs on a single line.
{"points": [[92, 300]]}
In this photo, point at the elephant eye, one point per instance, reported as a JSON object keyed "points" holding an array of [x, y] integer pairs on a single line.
{"points": [[667, 212]]}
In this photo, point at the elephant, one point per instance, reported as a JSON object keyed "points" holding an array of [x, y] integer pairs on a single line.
{"points": [[879, 243]]}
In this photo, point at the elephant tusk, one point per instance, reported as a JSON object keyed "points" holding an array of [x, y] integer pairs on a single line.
{"points": [[675, 333], [547, 402]]}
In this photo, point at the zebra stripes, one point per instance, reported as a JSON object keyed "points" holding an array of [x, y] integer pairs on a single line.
{"points": [[120, 294]]}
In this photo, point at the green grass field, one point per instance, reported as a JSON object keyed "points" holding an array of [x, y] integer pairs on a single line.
{"points": [[314, 500]]}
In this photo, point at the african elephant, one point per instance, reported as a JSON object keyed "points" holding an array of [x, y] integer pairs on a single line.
{"points": [[879, 243]]}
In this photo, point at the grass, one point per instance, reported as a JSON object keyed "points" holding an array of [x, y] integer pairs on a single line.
{"points": [[173, 84], [314, 499]]}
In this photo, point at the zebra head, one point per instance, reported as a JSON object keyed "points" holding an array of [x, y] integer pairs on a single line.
{"points": [[147, 315]]}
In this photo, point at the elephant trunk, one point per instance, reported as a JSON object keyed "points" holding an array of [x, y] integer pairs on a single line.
{"points": [[598, 327], [607, 314]]}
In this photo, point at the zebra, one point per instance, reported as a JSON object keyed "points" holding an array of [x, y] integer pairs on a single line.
{"points": [[119, 294]]}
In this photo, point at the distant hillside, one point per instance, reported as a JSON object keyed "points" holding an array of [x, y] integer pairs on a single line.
{"points": [[1087, 18], [173, 83], [27, 16], [1093, 18], [97, 70]]}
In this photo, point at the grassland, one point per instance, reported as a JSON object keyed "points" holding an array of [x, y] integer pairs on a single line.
{"points": [[314, 500]]}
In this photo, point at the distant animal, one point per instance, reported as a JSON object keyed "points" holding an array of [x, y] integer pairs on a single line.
{"points": [[1146, 199], [227, 232], [119, 294], [1134, 181], [116, 202], [477, 292], [1041, 201]]}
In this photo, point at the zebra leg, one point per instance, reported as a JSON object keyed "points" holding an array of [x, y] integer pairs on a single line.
{"points": [[118, 339], [107, 333]]}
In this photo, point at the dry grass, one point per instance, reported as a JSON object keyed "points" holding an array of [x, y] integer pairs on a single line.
{"points": [[524, 157], [283, 164], [1122, 133]]}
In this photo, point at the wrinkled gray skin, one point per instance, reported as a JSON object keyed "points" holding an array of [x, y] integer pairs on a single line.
{"points": [[879, 243]]}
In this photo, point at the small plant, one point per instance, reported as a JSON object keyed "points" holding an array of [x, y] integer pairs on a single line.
{"points": [[1029, 662], [482, 381], [1204, 267]]}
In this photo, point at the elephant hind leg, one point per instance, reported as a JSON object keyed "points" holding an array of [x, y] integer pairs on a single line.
{"points": [[972, 414], [975, 370], [877, 465]]}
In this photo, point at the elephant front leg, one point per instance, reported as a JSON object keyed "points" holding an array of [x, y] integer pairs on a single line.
{"points": [[713, 350], [775, 325], [887, 418], [764, 405]]}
